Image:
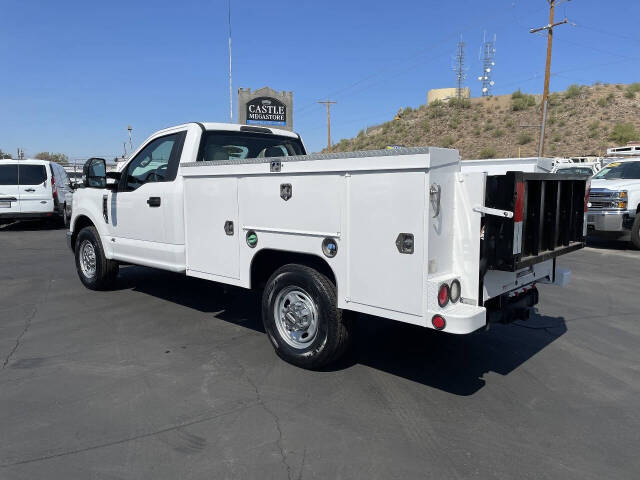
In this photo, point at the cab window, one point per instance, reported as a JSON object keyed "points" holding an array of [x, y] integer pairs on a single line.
{"points": [[216, 145], [157, 162]]}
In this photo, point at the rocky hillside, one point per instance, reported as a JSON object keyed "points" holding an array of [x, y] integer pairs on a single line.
{"points": [[583, 120]]}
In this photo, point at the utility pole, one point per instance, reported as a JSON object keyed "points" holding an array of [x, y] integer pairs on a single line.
{"points": [[328, 104], [547, 72]]}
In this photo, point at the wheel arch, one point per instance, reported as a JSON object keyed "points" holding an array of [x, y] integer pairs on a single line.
{"points": [[80, 222], [268, 260]]}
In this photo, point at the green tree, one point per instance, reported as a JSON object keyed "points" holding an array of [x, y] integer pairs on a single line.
{"points": [[60, 158], [4, 155]]}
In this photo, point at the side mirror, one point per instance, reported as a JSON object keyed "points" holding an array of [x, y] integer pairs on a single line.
{"points": [[94, 173]]}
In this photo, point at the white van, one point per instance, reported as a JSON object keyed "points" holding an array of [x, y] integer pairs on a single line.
{"points": [[31, 189]]}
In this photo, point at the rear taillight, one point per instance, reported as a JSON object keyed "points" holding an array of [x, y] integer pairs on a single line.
{"points": [[443, 295], [53, 186], [587, 190]]}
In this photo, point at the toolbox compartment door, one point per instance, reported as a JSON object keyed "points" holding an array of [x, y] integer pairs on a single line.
{"points": [[548, 219], [211, 226], [381, 206]]}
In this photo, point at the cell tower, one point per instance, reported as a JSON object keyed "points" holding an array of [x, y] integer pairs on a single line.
{"points": [[460, 69], [488, 55]]}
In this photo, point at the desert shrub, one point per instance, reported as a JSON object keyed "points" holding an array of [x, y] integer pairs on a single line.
{"points": [[573, 91], [498, 133], [557, 137], [629, 94], [436, 103], [488, 152], [460, 103], [488, 127], [554, 99], [509, 123], [425, 126], [476, 131], [521, 101], [454, 123], [447, 141], [524, 138], [623, 133]]}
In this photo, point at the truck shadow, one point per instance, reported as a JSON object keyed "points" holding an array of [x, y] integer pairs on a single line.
{"points": [[452, 363]]}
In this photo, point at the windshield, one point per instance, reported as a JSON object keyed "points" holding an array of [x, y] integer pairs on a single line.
{"points": [[620, 170], [239, 145], [575, 171]]}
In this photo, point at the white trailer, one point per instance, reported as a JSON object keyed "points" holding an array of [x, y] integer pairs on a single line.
{"points": [[405, 234]]}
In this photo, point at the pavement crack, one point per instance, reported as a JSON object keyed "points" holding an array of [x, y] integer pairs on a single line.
{"points": [[127, 439], [27, 324], [276, 421]]}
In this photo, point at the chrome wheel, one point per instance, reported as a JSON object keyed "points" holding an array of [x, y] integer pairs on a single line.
{"points": [[87, 256], [296, 317]]}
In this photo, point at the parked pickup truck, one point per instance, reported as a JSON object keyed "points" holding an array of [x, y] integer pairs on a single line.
{"points": [[405, 233], [614, 201]]}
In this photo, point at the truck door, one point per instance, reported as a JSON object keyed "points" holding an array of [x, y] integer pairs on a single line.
{"points": [[36, 194], [146, 194], [9, 189]]}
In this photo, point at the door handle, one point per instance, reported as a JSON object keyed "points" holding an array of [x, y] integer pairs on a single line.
{"points": [[153, 201], [29, 189]]}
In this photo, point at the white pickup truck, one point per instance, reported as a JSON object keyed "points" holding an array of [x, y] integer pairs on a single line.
{"points": [[614, 201], [408, 234]]}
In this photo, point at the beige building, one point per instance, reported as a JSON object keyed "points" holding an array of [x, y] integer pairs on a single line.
{"points": [[444, 94]]}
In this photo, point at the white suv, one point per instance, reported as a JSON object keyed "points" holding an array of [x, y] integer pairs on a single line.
{"points": [[31, 189]]}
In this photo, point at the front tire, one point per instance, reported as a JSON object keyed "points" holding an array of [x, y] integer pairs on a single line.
{"points": [[302, 319], [635, 232], [95, 270]]}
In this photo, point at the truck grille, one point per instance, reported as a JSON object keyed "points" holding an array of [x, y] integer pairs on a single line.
{"points": [[603, 199]]}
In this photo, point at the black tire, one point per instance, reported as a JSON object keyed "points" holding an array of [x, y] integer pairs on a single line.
{"points": [[333, 326], [106, 270], [65, 217], [635, 232]]}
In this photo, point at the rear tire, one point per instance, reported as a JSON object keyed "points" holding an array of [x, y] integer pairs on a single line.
{"points": [[65, 217], [95, 270], [302, 319], [635, 232]]}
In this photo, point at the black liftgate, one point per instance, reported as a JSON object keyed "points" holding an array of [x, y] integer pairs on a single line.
{"points": [[548, 218]]}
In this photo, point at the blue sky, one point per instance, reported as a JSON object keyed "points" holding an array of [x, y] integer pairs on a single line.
{"points": [[76, 73]]}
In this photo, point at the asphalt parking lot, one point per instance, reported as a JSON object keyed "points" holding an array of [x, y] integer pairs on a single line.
{"points": [[170, 377]]}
